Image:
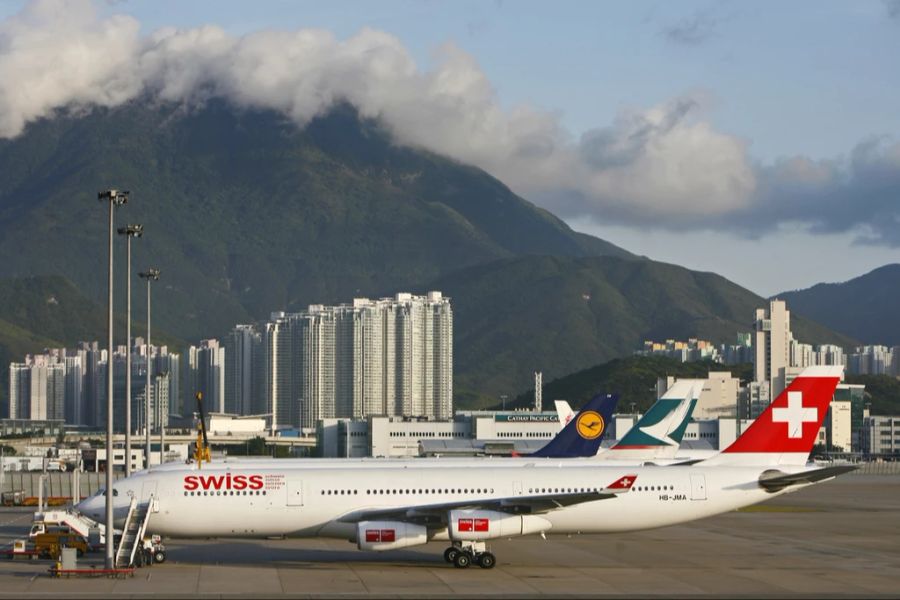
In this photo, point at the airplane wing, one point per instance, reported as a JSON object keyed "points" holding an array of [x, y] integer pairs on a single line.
{"points": [[436, 513], [775, 480]]}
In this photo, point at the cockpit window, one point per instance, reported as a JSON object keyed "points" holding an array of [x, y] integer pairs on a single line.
{"points": [[102, 492]]}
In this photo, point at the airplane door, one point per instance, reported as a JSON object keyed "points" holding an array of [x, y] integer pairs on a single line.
{"points": [[698, 487], [149, 489], [294, 493], [517, 488]]}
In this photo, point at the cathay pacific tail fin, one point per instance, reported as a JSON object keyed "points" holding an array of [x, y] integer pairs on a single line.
{"points": [[658, 434]]}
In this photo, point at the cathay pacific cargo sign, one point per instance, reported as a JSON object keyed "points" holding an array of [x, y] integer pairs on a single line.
{"points": [[526, 418]]}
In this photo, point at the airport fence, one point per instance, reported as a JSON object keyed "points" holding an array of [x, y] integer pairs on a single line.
{"points": [[878, 468], [58, 486]]}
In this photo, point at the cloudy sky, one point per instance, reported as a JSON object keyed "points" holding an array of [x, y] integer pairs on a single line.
{"points": [[759, 140]]}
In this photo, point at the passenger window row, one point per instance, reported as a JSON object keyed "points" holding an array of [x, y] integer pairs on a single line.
{"points": [[227, 493], [582, 490], [382, 492]]}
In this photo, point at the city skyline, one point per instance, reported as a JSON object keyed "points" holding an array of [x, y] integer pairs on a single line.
{"points": [[389, 356], [286, 366]]}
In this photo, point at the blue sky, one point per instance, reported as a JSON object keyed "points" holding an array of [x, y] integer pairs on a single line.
{"points": [[783, 74], [766, 83]]}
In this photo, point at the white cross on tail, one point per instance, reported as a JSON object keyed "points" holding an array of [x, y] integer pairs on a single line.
{"points": [[795, 415]]}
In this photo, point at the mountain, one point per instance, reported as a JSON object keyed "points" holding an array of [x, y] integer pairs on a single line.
{"points": [[38, 313], [246, 213], [882, 392], [50, 312], [633, 378], [562, 314], [864, 308]]}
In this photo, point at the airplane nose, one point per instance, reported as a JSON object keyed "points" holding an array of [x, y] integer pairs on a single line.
{"points": [[89, 507]]}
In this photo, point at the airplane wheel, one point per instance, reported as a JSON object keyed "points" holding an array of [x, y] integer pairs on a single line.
{"points": [[462, 560], [487, 560], [159, 556], [450, 554]]}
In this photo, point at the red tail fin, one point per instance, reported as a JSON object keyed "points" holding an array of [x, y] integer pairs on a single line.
{"points": [[622, 484], [786, 431]]}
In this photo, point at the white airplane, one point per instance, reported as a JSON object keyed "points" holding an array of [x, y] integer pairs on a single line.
{"points": [[385, 506]]}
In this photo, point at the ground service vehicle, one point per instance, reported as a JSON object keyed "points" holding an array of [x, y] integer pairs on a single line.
{"points": [[49, 544]]}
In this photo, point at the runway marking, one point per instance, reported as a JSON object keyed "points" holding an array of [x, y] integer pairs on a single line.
{"points": [[358, 578]]}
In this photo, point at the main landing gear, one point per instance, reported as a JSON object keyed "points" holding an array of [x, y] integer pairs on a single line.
{"points": [[463, 554]]}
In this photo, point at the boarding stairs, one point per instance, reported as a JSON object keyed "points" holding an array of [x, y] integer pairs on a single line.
{"points": [[133, 532], [78, 523]]}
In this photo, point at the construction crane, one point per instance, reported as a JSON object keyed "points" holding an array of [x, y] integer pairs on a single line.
{"points": [[201, 450]]}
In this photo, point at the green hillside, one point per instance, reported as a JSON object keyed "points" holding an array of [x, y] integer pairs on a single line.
{"points": [[882, 393], [563, 314], [633, 378], [864, 308], [50, 312], [244, 213]]}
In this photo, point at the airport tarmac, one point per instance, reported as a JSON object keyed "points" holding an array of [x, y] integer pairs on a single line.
{"points": [[837, 539]]}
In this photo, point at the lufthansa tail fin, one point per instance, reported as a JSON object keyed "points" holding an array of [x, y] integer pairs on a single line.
{"points": [[784, 434], [582, 436]]}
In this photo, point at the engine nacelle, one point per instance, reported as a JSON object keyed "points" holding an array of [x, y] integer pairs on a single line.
{"points": [[389, 535], [473, 525]]}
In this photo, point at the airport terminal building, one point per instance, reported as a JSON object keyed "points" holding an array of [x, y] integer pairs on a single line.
{"points": [[482, 433]]}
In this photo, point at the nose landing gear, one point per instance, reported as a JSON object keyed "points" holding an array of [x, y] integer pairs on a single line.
{"points": [[463, 554]]}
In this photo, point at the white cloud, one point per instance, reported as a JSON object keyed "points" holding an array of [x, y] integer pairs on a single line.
{"points": [[57, 54], [664, 166]]}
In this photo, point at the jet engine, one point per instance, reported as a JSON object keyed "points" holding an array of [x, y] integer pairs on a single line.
{"points": [[472, 525], [389, 535]]}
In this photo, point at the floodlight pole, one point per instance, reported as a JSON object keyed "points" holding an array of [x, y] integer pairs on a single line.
{"points": [[129, 232], [150, 274], [114, 198]]}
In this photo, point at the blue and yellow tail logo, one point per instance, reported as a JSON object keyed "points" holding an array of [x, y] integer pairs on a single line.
{"points": [[590, 425], [583, 434]]}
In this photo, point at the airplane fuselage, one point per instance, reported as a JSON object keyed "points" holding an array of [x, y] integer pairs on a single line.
{"points": [[267, 499]]}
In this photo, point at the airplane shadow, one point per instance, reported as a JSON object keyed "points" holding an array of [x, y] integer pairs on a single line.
{"points": [[252, 553]]}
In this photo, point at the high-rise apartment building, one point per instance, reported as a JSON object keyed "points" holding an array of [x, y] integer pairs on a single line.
{"points": [[278, 371], [205, 373], [313, 342], [829, 354], [872, 360], [424, 356], [801, 355], [74, 394], [19, 390], [37, 388], [169, 364], [93, 360], [771, 345], [391, 356], [242, 347], [159, 400]]}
